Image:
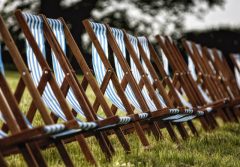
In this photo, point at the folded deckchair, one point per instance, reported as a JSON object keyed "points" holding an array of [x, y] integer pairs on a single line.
{"points": [[33, 25], [235, 58], [147, 51], [127, 80], [212, 85], [224, 71], [225, 75], [184, 76]]}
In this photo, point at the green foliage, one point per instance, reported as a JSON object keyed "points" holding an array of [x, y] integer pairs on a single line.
{"points": [[218, 148]]}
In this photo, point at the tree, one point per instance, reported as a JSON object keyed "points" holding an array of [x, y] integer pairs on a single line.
{"points": [[142, 16]]}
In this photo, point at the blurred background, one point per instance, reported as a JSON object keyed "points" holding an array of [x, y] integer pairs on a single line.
{"points": [[213, 23]]}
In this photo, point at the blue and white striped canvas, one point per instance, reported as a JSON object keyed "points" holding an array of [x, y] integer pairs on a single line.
{"points": [[1, 62]]}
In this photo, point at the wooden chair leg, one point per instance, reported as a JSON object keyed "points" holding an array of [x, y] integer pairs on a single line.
{"points": [[28, 156], [104, 145], [182, 131], [141, 134], [193, 128], [63, 153], [3, 163], [85, 149], [37, 154], [122, 139], [155, 129], [232, 115], [110, 146], [171, 132]]}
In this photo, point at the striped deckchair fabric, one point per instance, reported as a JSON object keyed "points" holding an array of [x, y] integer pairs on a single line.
{"points": [[194, 74], [2, 134], [89, 76], [1, 62], [236, 61], [143, 43]]}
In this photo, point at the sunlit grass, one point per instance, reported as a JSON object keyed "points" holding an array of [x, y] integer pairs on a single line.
{"points": [[218, 148]]}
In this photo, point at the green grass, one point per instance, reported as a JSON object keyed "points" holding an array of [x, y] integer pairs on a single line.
{"points": [[218, 148]]}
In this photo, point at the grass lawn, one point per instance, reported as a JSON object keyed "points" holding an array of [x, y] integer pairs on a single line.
{"points": [[218, 148]]}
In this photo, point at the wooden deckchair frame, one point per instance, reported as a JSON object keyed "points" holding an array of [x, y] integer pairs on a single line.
{"points": [[128, 77], [204, 72], [184, 77], [60, 94]]}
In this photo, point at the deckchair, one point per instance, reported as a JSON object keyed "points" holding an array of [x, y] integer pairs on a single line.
{"points": [[215, 89], [20, 125], [60, 30], [128, 82], [225, 76], [235, 58], [129, 43], [85, 108], [184, 76]]}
